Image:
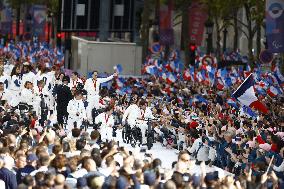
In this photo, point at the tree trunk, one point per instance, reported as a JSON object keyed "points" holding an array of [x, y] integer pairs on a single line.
{"points": [[218, 45], [145, 25], [250, 47], [18, 15], [250, 33], [185, 37], [258, 40], [236, 31]]}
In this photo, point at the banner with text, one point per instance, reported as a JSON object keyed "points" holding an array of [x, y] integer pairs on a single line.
{"points": [[275, 25], [197, 16]]}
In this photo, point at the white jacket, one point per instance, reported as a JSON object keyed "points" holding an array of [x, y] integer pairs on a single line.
{"points": [[27, 96], [38, 92], [6, 79], [74, 83], [48, 78], [106, 120], [145, 115], [16, 83], [93, 87], [28, 77], [131, 114], [74, 107], [205, 152]]}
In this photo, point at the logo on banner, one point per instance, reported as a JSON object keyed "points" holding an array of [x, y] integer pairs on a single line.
{"points": [[265, 56], [276, 45], [275, 25], [208, 60], [275, 10], [39, 16]]}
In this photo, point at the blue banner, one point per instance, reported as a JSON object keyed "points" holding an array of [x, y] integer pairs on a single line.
{"points": [[6, 19], [39, 19], [275, 25]]}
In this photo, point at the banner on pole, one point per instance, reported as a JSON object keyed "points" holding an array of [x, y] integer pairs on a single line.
{"points": [[39, 20], [166, 24], [197, 16], [275, 25], [6, 19]]}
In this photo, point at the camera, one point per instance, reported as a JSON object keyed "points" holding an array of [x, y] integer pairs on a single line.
{"points": [[147, 155]]}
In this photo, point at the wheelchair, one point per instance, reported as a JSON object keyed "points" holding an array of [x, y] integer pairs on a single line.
{"points": [[24, 108], [150, 133], [132, 136]]}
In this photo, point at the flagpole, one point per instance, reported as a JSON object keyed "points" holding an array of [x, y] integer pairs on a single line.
{"points": [[242, 83]]}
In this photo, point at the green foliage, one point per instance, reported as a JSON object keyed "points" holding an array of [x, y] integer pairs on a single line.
{"points": [[52, 5]]}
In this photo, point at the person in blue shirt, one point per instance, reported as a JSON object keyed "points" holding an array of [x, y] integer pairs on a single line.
{"points": [[30, 167], [6, 174]]}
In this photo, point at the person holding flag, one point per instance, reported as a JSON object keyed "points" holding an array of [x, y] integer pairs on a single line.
{"points": [[245, 94], [92, 86]]}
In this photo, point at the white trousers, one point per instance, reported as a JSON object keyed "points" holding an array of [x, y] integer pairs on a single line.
{"points": [[106, 133], [72, 120]]}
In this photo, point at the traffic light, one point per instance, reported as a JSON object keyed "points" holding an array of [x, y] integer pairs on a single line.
{"points": [[58, 39], [192, 54]]}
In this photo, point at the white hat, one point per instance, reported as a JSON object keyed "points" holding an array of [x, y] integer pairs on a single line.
{"points": [[26, 63]]}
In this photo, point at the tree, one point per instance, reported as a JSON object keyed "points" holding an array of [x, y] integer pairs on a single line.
{"points": [[254, 14], [145, 26], [53, 12], [218, 12], [181, 7]]}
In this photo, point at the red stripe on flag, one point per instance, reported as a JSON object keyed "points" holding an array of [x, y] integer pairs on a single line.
{"points": [[259, 106]]}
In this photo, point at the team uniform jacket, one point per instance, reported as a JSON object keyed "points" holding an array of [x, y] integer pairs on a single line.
{"points": [[106, 126], [93, 87], [74, 107]]}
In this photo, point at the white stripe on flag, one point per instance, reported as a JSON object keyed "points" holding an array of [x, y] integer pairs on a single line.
{"points": [[248, 97]]}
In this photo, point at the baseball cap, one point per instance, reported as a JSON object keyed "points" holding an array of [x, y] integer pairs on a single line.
{"points": [[32, 157]]}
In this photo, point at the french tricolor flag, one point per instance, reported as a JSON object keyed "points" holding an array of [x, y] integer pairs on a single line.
{"points": [[220, 85], [232, 103], [171, 78], [151, 70], [272, 91], [118, 68], [120, 82], [186, 75], [245, 94]]}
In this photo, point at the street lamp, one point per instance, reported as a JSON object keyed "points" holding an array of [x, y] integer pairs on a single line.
{"points": [[225, 39], [209, 30]]}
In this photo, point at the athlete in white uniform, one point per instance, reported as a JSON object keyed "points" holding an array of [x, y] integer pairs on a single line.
{"points": [[92, 86], [145, 114], [15, 87], [76, 111], [74, 80], [131, 114], [107, 122]]}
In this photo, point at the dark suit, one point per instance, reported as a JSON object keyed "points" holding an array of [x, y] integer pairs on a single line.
{"points": [[64, 95]]}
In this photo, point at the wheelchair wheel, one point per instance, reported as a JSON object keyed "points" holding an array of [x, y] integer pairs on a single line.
{"points": [[150, 143]]}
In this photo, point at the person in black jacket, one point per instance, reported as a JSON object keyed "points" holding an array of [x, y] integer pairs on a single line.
{"points": [[64, 95]]}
